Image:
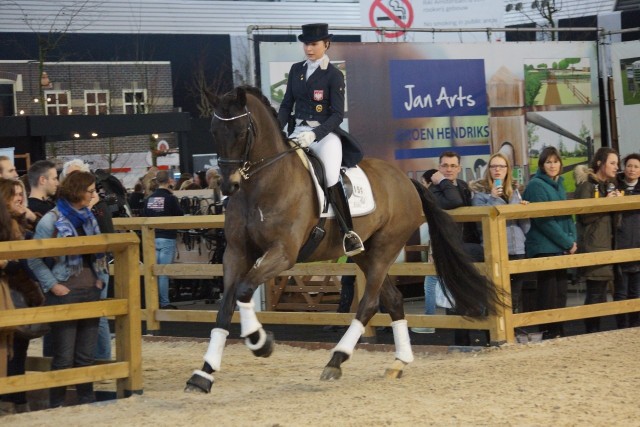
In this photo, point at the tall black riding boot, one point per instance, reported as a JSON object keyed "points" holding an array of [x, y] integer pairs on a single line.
{"points": [[352, 243]]}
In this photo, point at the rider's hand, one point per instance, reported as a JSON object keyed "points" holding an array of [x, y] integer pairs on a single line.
{"points": [[305, 139]]}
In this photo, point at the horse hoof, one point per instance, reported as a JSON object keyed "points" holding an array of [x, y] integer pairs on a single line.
{"points": [[198, 384], [331, 373], [395, 371], [392, 374], [267, 348]]}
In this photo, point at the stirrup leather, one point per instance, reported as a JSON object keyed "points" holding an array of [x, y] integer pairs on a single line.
{"points": [[355, 247]]}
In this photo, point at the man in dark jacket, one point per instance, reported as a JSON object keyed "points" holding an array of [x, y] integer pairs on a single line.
{"points": [[162, 202], [450, 193]]}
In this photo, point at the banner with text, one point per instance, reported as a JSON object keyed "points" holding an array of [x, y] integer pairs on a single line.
{"points": [[625, 62], [409, 102]]}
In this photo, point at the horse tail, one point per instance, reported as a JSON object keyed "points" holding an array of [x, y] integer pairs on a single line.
{"points": [[473, 294]]}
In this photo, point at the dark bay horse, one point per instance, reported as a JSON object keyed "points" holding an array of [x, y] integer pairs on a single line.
{"points": [[273, 209]]}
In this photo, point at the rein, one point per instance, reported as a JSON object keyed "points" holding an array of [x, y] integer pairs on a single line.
{"points": [[248, 168]]}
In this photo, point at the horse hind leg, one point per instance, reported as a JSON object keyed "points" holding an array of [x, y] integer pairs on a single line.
{"points": [[342, 351], [404, 354], [392, 299], [366, 309]]}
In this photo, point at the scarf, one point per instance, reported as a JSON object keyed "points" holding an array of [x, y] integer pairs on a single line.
{"points": [[69, 220], [312, 66]]}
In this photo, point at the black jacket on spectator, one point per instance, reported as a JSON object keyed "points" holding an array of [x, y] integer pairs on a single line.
{"points": [[627, 227], [449, 196], [162, 202]]}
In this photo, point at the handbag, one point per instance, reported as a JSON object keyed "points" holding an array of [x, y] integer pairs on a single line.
{"points": [[443, 300], [27, 332], [26, 292]]}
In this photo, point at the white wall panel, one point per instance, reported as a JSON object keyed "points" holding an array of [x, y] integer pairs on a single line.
{"points": [[568, 9], [172, 17]]}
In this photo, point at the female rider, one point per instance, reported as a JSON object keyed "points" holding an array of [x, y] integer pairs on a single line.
{"points": [[316, 88]]}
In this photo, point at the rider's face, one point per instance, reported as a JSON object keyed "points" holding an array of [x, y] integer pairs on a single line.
{"points": [[315, 50]]}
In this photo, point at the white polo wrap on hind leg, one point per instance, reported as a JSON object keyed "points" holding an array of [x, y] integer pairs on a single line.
{"points": [[402, 341], [213, 356], [350, 338]]}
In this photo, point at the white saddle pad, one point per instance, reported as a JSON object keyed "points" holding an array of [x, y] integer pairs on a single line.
{"points": [[361, 201]]}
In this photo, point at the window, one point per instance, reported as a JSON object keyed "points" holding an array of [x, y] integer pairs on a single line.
{"points": [[57, 102], [6, 99], [134, 101], [96, 102]]}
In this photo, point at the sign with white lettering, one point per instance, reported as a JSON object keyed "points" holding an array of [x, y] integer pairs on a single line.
{"points": [[437, 88]]}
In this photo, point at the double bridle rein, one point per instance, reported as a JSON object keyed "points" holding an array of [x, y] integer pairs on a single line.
{"points": [[247, 168]]}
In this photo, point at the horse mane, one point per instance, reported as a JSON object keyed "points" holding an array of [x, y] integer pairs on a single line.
{"points": [[252, 90]]}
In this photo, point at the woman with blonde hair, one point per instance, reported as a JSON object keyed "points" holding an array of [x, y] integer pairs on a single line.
{"points": [[495, 189]]}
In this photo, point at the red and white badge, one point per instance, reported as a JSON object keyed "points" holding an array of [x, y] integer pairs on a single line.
{"points": [[318, 95]]}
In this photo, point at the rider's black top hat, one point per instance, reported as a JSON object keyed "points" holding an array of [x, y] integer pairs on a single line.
{"points": [[314, 32]]}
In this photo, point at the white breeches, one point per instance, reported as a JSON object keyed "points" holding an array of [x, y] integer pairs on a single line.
{"points": [[329, 150]]}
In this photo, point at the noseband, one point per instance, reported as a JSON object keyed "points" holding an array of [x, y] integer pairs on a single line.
{"points": [[247, 168]]}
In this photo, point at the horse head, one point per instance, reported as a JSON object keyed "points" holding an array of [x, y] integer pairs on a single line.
{"points": [[233, 131]]}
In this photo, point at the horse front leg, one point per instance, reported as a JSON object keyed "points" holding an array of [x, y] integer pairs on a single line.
{"points": [[366, 309], [267, 267], [202, 380]]}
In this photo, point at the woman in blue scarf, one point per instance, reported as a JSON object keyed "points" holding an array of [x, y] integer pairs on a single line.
{"points": [[71, 279]]}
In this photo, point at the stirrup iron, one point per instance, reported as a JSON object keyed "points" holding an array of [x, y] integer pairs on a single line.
{"points": [[359, 245]]}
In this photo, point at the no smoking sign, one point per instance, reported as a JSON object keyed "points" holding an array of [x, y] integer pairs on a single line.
{"points": [[391, 13]]}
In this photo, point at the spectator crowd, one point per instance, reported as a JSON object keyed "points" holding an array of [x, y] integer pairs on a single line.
{"points": [[48, 203]]}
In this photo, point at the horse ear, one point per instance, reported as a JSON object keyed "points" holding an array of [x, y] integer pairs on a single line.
{"points": [[241, 97]]}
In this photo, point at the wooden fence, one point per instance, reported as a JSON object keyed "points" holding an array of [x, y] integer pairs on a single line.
{"points": [[127, 269], [497, 266], [125, 307]]}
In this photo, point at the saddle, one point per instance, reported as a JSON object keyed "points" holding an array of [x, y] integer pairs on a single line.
{"points": [[361, 202]]}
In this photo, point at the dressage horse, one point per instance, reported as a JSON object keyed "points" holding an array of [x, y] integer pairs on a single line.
{"points": [[273, 209]]}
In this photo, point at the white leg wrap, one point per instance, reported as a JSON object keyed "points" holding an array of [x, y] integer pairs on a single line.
{"points": [[402, 341], [260, 343], [203, 374], [350, 338], [248, 319], [213, 356]]}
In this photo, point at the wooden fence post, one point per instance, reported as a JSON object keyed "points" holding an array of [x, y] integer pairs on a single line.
{"points": [[151, 300], [128, 327], [496, 257]]}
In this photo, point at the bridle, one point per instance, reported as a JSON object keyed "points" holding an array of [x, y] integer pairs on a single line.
{"points": [[247, 169]]}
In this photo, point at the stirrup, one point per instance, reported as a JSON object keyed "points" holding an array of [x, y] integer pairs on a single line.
{"points": [[355, 244]]}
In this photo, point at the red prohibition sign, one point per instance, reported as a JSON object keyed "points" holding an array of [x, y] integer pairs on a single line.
{"points": [[399, 12]]}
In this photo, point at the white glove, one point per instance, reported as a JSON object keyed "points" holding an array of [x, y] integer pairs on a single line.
{"points": [[305, 139]]}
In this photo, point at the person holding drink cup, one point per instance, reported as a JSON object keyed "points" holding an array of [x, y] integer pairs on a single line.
{"points": [[492, 191]]}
